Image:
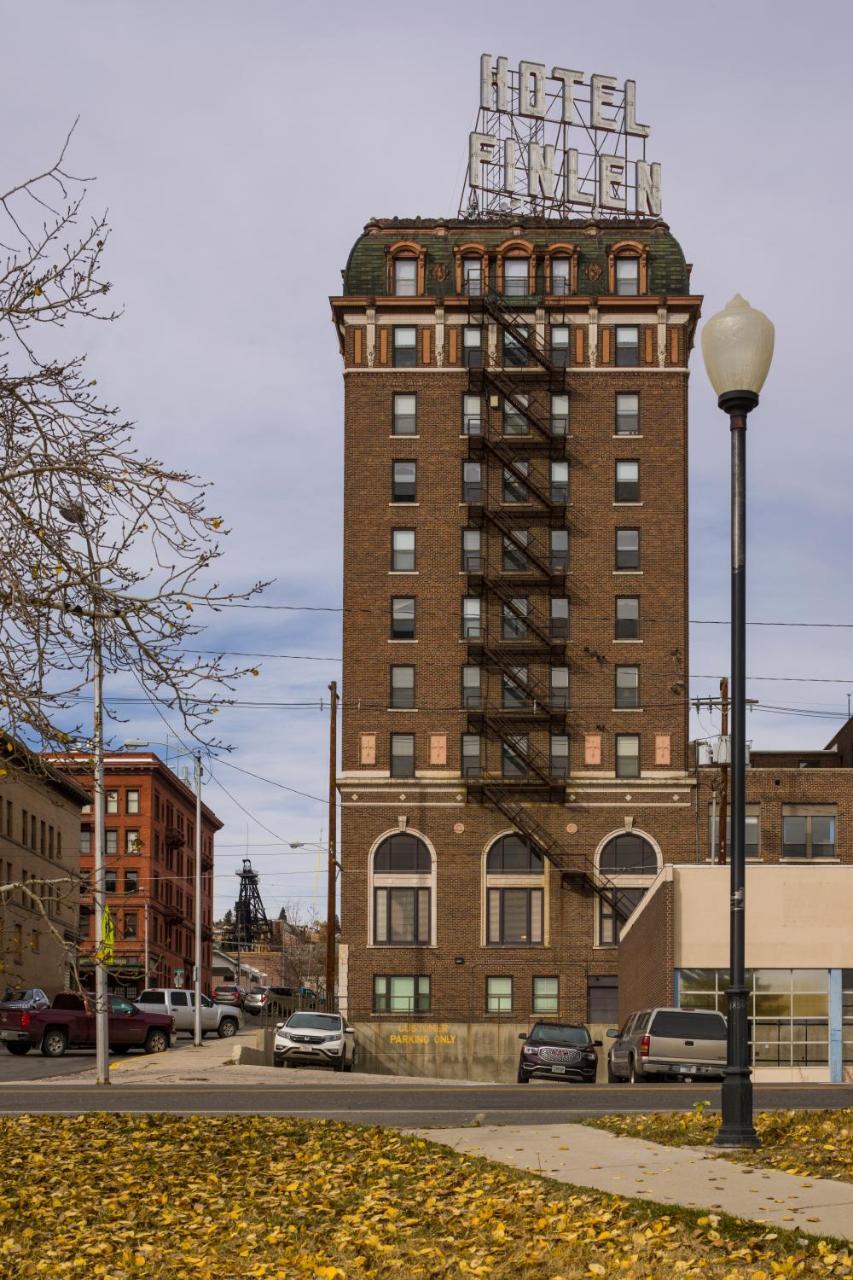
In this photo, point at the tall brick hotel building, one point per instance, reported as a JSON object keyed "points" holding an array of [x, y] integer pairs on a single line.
{"points": [[514, 771]]}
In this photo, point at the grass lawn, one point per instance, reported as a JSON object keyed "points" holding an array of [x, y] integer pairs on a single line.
{"points": [[172, 1197], [814, 1144]]}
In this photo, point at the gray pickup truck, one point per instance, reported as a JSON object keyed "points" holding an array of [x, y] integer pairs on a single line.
{"points": [[224, 1019]]}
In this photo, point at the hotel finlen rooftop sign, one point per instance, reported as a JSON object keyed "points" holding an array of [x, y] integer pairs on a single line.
{"points": [[558, 144]]}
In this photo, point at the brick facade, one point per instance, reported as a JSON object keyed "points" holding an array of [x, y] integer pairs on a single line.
{"points": [[646, 956]]}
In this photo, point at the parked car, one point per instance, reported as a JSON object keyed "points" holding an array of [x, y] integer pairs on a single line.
{"points": [[324, 1039], [680, 1043], [224, 1019], [558, 1051], [32, 998], [256, 1000], [69, 1023], [228, 993]]}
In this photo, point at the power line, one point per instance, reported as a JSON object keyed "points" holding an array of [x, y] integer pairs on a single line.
{"points": [[271, 782]]}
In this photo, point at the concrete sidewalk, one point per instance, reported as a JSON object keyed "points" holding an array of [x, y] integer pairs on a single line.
{"points": [[689, 1176]]}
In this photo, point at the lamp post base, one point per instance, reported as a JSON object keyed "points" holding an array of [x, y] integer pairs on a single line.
{"points": [[737, 1128]]}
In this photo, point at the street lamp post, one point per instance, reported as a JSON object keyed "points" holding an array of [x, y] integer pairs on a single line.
{"points": [[737, 346]]}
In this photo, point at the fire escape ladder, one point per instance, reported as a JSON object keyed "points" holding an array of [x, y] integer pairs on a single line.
{"points": [[507, 385], [532, 619], [536, 761], [574, 865], [507, 458], [500, 521], [538, 693], [514, 323]]}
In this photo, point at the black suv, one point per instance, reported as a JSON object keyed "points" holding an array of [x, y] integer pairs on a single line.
{"points": [[559, 1051]]}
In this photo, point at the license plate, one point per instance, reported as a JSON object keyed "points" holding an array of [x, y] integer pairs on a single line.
{"points": [[10, 1035], [559, 1070]]}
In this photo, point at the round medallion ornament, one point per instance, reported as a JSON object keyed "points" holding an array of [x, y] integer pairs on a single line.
{"points": [[439, 272], [572, 828], [592, 271], [459, 827]]}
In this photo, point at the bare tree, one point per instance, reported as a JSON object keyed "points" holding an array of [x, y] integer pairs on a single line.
{"points": [[91, 529]]}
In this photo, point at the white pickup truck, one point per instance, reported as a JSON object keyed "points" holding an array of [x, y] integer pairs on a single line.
{"points": [[224, 1019]]}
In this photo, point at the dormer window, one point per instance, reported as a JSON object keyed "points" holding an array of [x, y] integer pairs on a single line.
{"points": [[516, 272], [472, 277], [561, 277], [627, 276], [406, 277]]}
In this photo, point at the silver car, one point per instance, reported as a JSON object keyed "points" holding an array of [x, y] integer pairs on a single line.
{"points": [[685, 1043], [324, 1039], [223, 1019]]}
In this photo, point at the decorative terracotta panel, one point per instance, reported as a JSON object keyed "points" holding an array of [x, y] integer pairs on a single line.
{"points": [[663, 748], [592, 748], [367, 752], [438, 748], [426, 336], [383, 344]]}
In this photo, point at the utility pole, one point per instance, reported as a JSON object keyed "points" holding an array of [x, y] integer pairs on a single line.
{"points": [[724, 769], [147, 957], [102, 1026], [332, 868], [197, 1036]]}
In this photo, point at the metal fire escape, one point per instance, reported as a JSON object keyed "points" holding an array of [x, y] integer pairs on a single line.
{"points": [[517, 627]]}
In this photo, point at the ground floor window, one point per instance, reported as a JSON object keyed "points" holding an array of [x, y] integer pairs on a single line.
{"points": [[602, 999], [498, 995], [847, 1015], [788, 1011], [546, 995], [614, 911], [401, 994]]}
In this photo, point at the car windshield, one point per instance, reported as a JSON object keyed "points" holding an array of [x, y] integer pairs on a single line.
{"points": [[559, 1035], [698, 1026], [315, 1021]]}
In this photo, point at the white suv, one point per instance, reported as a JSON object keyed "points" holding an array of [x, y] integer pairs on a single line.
{"points": [[321, 1038]]}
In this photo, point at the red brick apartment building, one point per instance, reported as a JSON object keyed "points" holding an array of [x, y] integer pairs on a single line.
{"points": [[515, 700], [150, 871]]}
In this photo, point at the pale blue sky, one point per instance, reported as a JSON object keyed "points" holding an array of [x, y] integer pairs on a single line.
{"points": [[241, 148]]}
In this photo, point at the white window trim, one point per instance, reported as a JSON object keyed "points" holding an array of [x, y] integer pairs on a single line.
{"points": [[385, 880], [622, 881], [517, 881]]}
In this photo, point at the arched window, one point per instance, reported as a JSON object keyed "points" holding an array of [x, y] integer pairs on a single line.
{"points": [[627, 266], [406, 269], [403, 885], [627, 864], [515, 893]]}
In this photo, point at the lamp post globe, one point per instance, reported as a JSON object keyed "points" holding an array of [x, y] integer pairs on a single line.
{"points": [[737, 346]]}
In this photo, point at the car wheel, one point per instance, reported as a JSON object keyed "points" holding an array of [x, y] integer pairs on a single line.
{"points": [[19, 1048], [278, 1062], [157, 1042], [612, 1078], [523, 1077], [635, 1073], [341, 1062], [54, 1043], [227, 1027]]}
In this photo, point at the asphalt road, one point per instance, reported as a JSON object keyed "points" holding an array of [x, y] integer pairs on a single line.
{"points": [[426, 1105], [32, 1066]]}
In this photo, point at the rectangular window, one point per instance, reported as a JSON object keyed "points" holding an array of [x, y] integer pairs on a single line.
{"points": [[627, 755], [627, 345], [405, 346], [514, 917], [406, 277], [753, 831], [627, 548], [111, 840], [109, 882], [405, 414], [403, 618], [471, 687], [561, 277], [515, 419], [515, 352], [627, 687], [111, 801], [559, 550], [471, 755], [499, 995], [627, 618], [611, 921], [514, 557], [404, 481], [401, 916], [559, 687], [627, 276], [559, 414], [472, 415], [516, 277], [130, 924], [85, 840], [402, 755], [808, 831], [559, 618], [397, 994], [513, 691], [472, 628], [402, 686], [131, 881], [472, 560], [472, 277], [560, 334], [627, 414], [131, 798], [402, 550], [559, 481], [513, 752], [472, 482], [559, 755], [132, 842], [514, 618], [472, 346], [546, 995], [627, 480], [514, 488]]}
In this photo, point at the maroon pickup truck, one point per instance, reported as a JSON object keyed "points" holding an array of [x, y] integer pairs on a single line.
{"points": [[69, 1023]]}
